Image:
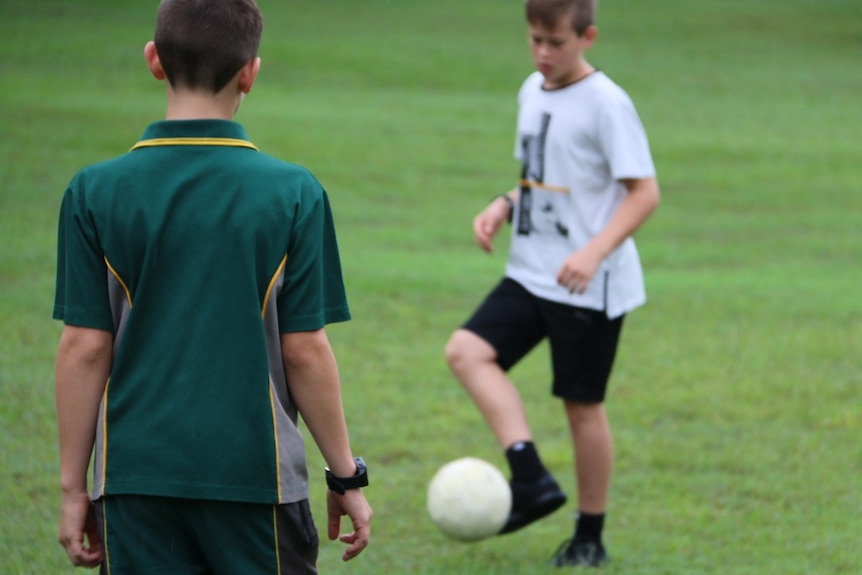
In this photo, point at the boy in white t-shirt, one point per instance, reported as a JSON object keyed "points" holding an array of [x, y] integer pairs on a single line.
{"points": [[588, 183]]}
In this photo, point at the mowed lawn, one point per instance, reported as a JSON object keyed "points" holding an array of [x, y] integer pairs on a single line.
{"points": [[736, 397]]}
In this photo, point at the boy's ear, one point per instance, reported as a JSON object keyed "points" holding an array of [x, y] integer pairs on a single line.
{"points": [[247, 75], [151, 55], [590, 34]]}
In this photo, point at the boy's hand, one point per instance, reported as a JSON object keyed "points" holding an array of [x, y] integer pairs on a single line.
{"points": [[488, 222], [77, 523], [354, 505], [578, 270]]}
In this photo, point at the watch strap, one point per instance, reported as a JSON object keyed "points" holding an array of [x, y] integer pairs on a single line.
{"points": [[342, 484]]}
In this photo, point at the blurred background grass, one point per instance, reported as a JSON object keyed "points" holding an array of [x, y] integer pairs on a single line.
{"points": [[736, 396]]}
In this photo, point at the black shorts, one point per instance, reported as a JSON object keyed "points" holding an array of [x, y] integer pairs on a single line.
{"points": [[583, 341], [146, 534]]}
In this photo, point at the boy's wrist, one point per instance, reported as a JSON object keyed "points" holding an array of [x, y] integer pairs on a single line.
{"points": [[355, 481], [510, 204], [70, 488]]}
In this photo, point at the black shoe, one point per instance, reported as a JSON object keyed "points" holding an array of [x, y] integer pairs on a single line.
{"points": [[580, 554], [533, 500]]}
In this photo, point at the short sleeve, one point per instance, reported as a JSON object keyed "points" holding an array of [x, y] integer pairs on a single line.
{"points": [[81, 290], [313, 293], [624, 140]]}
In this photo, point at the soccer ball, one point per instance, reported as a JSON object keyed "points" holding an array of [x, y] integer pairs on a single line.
{"points": [[469, 499]]}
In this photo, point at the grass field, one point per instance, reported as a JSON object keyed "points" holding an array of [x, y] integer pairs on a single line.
{"points": [[736, 397]]}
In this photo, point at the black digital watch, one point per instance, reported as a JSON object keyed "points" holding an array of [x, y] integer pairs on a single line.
{"points": [[355, 481]]}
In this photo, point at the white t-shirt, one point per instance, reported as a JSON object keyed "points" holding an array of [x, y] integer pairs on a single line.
{"points": [[575, 144]]}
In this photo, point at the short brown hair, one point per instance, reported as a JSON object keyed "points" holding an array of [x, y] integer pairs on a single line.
{"points": [[202, 44], [549, 12]]}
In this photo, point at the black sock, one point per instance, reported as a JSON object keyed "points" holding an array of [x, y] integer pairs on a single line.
{"points": [[589, 527], [524, 462]]}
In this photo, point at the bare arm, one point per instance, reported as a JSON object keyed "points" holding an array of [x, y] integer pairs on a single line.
{"points": [[83, 366], [312, 376], [639, 204]]}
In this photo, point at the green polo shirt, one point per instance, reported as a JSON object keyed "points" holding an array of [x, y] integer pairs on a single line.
{"points": [[197, 251]]}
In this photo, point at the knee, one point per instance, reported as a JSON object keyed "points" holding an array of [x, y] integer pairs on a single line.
{"points": [[462, 350], [586, 414], [454, 351]]}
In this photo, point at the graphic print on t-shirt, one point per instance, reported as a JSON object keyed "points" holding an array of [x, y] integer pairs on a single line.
{"points": [[533, 172]]}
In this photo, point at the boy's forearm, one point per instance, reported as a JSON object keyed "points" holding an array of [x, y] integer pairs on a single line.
{"points": [[640, 202], [312, 376], [83, 366]]}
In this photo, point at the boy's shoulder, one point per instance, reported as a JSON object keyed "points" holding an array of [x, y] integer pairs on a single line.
{"points": [[99, 171], [532, 84], [276, 174], [601, 82], [276, 164], [99, 184]]}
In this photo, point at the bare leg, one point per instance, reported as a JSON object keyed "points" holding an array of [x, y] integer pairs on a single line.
{"points": [[473, 361], [593, 443]]}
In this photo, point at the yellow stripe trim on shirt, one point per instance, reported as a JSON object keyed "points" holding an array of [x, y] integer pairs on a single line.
{"points": [[271, 286], [120, 280], [193, 142], [107, 555], [104, 477], [266, 297], [275, 533], [275, 438], [543, 186]]}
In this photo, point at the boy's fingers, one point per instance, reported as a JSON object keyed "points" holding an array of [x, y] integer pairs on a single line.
{"points": [[358, 541], [82, 556], [333, 526]]}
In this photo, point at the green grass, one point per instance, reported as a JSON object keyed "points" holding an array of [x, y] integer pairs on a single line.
{"points": [[735, 400]]}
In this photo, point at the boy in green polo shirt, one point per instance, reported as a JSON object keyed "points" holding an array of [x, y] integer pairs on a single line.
{"points": [[195, 277]]}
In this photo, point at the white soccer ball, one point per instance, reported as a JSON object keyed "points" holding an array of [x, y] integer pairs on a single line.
{"points": [[469, 499]]}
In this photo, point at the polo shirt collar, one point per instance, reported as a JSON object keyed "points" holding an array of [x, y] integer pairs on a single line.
{"points": [[194, 132]]}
